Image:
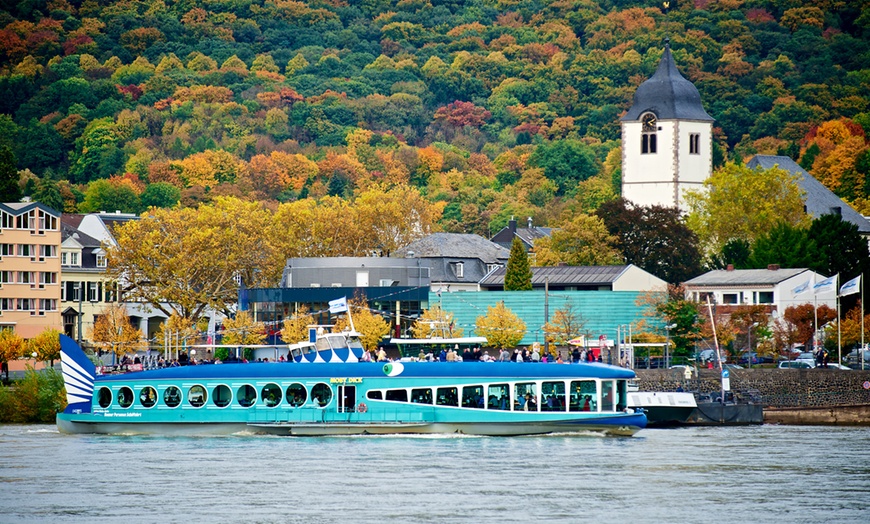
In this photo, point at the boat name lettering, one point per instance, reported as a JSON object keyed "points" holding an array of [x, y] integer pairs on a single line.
{"points": [[346, 380], [122, 415]]}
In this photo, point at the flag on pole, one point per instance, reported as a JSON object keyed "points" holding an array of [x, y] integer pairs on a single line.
{"points": [[801, 289], [851, 287], [828, 284], [338, 305]]}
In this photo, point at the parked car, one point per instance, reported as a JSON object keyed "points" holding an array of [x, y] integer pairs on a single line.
{"points": [[832, 365], [756, 359], [853, 359], [795, 364]]}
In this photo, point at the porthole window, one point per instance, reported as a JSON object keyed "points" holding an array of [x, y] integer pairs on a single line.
{"points": [[271, 395], [196, 396], [148, 397], [125, 397], [105, 397], [247, 395], [221, 396], [321, 394], [296, 395], [172, 397]]}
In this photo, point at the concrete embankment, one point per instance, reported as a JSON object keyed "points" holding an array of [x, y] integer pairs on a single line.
{"points": [[789, 396]]}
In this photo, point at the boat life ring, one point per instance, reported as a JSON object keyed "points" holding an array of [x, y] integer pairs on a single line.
{"points": [[362, 408]]}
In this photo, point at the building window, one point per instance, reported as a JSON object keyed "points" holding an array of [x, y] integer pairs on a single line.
{"points": [[25, 250], [47, 277], [492, 267], [459, 269], [101, 260], [63, 258], [7, 250], [48, 251], [47, 304], [47, 222], [73, 259], [25, 277], [765, 297], [5, 277], [25, 304], [730, 298], [694, 143], [5, 304], [7, 221], [22, 221], [93, 292]]}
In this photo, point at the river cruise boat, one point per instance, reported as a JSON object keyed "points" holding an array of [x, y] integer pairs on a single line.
{"points": [[341, 394]]}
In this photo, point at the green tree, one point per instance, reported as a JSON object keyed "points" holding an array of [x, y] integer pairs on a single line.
{"points": [[48, 193], [104, 195], [10, 191], [566, 162], [842, 249], [786, 245], [518, 275], [160, 194], [501, 327], [739, 202]]}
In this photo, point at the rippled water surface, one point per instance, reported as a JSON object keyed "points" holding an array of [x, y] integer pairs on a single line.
{"points": [[691, 475]]}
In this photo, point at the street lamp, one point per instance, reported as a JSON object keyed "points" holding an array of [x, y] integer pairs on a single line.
{"points": [[668, 329], [749, 343]]}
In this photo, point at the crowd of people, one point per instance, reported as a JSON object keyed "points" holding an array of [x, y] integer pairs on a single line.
{"points": [[525, 354]]}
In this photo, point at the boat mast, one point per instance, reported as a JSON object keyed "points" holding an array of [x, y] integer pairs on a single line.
{"points": [[716, 345]]}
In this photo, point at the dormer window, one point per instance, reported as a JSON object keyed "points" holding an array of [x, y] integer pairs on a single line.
{"points": [[458, 269], [101, 260], [649, 127]]}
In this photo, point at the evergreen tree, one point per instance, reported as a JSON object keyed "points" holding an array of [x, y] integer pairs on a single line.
{"points": [[518, 276], [9, 188]]}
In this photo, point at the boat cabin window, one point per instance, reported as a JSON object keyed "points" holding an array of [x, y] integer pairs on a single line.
{"points": [[421, 396], [397, 395], [172, 397], [247, 395], [148, 397], [584, 396], [607, 399], [374, 395], [196, 396], [472, 397], [221, 396], [447, 397], [321, 394], [271, 395], [621, 394], [296, 395], [499, 397], [105, 397], [526, 395], [553, 396], [354, 343], [125, 397]]}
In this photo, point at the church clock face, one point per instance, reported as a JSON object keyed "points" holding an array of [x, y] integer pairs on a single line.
{"points": [[649, 121]]}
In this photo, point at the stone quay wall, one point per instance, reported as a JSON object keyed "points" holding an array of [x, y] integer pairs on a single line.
{"points": [[773, 388]]}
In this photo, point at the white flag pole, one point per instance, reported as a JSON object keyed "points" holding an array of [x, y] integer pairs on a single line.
{"points": [[862, 321]]}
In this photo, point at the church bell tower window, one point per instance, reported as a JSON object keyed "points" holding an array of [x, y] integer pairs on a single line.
{"points": [[649, 127]]}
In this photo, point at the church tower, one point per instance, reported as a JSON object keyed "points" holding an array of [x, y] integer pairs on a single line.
{"points": [[667, 139]]}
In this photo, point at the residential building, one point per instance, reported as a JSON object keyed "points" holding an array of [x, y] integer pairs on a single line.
{"points": [[667, 139], [30, 268], [456, 261], [775, 288], [527, 235]]}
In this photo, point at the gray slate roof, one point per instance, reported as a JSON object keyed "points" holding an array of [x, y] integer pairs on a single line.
{"points": [[668, 94], [745, 277], [456, 245], [819, 199], [563, 276]]}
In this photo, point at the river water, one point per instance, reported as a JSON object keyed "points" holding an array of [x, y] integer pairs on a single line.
{"points": [[768, 473]]}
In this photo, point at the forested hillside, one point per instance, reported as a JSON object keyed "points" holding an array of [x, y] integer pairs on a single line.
{"points": [[492, 108]]}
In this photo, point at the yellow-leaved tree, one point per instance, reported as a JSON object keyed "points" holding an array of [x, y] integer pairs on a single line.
{"points": [[12, 346], [243, 330], [46, 345], [113, 331], [296, 327], [371, 327], [501, 327], [186, 261], [435, 322], [567, 324]]}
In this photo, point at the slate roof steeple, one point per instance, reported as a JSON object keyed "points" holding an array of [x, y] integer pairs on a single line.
{"points": [[668, 94]]}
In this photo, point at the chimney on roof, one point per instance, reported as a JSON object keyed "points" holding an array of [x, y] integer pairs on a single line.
{"points": [[512, 226], [730, 267], [773, 267], [530, 222]]}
